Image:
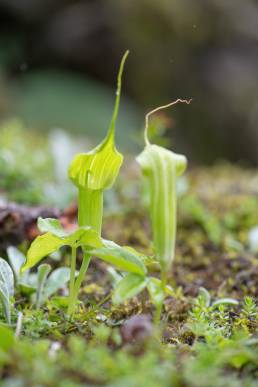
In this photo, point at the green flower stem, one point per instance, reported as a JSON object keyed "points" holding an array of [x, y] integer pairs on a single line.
{"points": [[90, 208], [160, 306], [72, 281], [78, 282], [90, 211]]}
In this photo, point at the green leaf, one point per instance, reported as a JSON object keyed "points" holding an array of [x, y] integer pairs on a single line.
{"points": [[51, 225], [42, 246], [43, 271], [129, 287], [26, 289], [6, 276], [225, 301], [47, 243], [57, 279], [16, 259], [121, 257], [6, 338], [80, 237], [84, 236], [155, 291], [205, 296], [98, 169], [5, 301]]}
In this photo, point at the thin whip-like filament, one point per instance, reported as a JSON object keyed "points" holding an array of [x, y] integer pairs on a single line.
{"points": [[156, 110]]}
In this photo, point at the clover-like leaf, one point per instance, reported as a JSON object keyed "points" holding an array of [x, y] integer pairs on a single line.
{"points": [[129, 287], [120, 257]]}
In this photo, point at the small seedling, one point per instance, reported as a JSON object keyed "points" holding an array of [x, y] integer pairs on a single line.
{"points": [[48, 284], [88, 239], [162, 168], [39, 285], [53, 239], [203, 305]]}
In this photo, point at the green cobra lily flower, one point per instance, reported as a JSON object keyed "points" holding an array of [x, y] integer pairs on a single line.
{"points": [[162, 168], [97, 170]]}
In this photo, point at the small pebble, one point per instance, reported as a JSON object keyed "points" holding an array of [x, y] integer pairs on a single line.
{"points": [[136, 328]]}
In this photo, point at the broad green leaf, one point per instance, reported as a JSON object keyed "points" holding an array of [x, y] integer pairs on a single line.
{"points": [[81, 236], [128, 287], [121, 257], [98, 169], [42, 246], [162, 167], [84, 236], [51, 225], [6, 276], [57, 279], [47, 243], [43, 271], [16, 259], [6, 338], [5, 301]]}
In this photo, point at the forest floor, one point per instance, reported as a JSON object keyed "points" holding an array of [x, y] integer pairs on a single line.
{"points": [[202, 341]]}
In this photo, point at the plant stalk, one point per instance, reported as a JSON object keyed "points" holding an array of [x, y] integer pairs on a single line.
{"points": [[157, 316], [90, 211], [90, 208]]}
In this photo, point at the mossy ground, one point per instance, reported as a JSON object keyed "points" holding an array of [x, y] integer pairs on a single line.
{"points": [[196, 344]]}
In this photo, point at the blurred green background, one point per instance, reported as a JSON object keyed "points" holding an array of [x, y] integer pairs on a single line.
{"points": [[59, 58]]}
